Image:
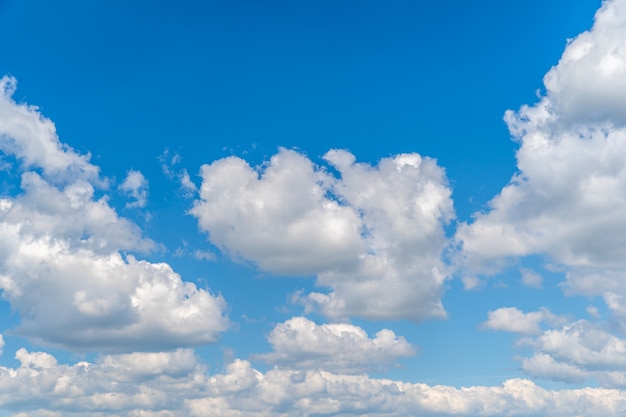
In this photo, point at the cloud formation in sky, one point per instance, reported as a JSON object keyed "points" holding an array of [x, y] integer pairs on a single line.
{"points": [[377, 241], [374, 235], [177, 384], [135, 186], [30, 137], [299, 343], [63, 266]]}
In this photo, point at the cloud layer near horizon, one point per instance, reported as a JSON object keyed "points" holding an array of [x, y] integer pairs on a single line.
{"points": [[177, 384]]}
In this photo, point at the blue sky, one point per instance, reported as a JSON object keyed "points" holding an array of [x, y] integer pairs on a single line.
{"points": [[313, 208]]}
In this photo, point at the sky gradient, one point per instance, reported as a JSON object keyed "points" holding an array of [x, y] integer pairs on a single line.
{"points": [[313, 208]]}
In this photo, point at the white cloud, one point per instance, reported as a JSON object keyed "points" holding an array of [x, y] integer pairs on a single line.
{"points": [[531, 278], [71, 213], [176, 384], [544, 366], [83, 300], [61, 266], [568, 200], [588, 84], [593, 311], [299, 343], [584, 344], [283, 221], [566, 351], [374, 236], [511, 319], [136, 187], [32, 138]]}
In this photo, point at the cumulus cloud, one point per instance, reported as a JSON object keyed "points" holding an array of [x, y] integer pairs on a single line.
{"points": [[374, 235], [545, 366], [86, 302], [71, 213], [176, 384], [565, 351], [568, 199], [567, 202], [584, 345], [511, 319], [72, 288], [136, 187], [32, 139], [299, 343], [65, 257]]}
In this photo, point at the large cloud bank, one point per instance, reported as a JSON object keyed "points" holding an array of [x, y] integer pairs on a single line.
{"points": [[568, 200], [177, 384]]}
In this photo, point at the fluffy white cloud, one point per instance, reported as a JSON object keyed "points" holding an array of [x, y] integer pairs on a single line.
{"points": [[32, 139], [283, 221], [584, 344], [300, 343], [374, 236], [135, 185], [85, 302], [60, 270], [589, 83], [70, 213], [565, 351], [568, 200], [568, 204], [511, 319], [176, 384], [61, 266], [545, 366]]}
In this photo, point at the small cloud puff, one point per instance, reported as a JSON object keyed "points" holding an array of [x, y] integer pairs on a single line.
{"points": [[136, 187]]}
